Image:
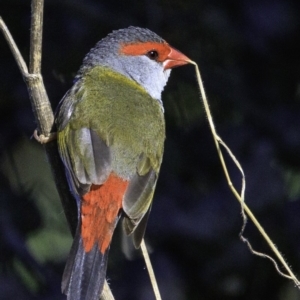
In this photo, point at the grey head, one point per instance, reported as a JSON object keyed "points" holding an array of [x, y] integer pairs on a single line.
{"points": [[135, 52]]}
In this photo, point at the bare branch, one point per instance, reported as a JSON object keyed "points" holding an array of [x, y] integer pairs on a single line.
{"points": [[39, 99], [44, 115], [14, 49], [36, 35]]}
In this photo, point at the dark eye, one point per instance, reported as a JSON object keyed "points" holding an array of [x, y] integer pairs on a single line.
{"points": [[153, 54]]}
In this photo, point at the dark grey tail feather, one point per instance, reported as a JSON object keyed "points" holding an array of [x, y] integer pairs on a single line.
{"points": [[84, 274], [69, 265]]}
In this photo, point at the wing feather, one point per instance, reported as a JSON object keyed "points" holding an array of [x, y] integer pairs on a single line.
{"points": [[137, 200], [87, 158]]}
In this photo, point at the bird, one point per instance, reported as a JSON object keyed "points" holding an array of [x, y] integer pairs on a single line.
{"points": [[111, 133]]}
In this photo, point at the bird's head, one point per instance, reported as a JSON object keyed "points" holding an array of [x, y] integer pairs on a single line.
{"points": [[139, 54]]}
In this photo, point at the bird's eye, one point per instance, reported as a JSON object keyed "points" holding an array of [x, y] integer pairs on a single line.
{"points": [[153, 54]]}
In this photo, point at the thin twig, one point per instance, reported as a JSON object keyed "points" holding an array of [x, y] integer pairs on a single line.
{"points": [[241, 197], [106, 293], [150, 270], [14, 49]]}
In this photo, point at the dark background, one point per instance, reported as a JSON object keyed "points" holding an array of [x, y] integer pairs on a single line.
{"points": [[248, 52]]}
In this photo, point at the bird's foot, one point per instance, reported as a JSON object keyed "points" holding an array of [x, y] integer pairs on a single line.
{"points": [[44, 139]]}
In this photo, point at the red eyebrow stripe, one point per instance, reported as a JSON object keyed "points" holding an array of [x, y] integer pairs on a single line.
{"points": [[163, 49]]}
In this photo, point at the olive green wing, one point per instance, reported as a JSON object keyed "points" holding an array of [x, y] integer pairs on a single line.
{"points": [[85, 155], [138, 199]]}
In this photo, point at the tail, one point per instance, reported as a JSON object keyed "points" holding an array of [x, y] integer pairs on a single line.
{"points": [[85, 270], [84, 274]]}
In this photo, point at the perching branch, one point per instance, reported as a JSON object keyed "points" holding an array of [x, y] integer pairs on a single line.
{"points": [[36, 36], [44, 115]]}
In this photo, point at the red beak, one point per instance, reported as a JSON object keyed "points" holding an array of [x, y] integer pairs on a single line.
{"points": [[175, 59]]}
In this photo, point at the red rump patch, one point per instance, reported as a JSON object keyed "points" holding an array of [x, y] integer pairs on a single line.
{"points": [[99, 211]]}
